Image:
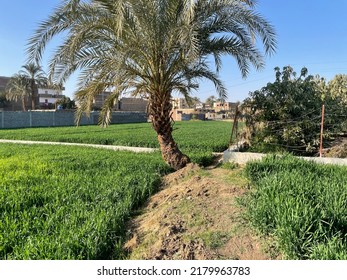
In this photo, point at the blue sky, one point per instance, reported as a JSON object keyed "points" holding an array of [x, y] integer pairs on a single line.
{"points": [[310, 33]]}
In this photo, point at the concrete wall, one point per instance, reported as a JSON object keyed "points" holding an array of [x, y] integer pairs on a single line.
{"points": [[62, 118], [243, 158]]}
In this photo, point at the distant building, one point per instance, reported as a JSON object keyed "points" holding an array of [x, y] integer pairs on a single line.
{"points": [[179, 103], [127, 104], [49, 96], [188, 114], [3, 82], [224, 106], [100, 99], [132, 104]]}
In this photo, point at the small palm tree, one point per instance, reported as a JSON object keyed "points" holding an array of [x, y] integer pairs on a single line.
{"points": [[18, 89], [3, 100], [153, 48], [36, 78]]}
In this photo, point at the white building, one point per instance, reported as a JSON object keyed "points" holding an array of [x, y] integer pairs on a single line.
{"points": [[48, 97]]}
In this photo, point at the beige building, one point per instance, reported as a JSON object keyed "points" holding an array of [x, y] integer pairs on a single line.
{"points": [[224, 106], [127, 104], [188, 114], [132, 104], [179, 103], [100, 99]]}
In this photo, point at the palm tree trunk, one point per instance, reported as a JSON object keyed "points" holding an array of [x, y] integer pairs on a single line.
{"points": [[24, 104], [160, 113], [34, 95]]}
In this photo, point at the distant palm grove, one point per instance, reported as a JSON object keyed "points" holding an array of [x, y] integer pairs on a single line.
{"points": [[151, 49]]}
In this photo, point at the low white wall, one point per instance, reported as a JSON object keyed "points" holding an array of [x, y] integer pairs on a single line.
{"points": [[243, 158]]}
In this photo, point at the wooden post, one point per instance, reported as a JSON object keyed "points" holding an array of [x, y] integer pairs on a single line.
{"points": [[234, 129], [321, 133]]}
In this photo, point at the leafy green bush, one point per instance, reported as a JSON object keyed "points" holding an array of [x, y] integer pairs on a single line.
{"points": [[70, 203], [286, 115], [302, 203]]}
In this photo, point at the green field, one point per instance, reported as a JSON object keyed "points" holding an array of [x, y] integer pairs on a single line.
{"points": [[302, 204], [70, 203], [197, 139], [195, 135]]}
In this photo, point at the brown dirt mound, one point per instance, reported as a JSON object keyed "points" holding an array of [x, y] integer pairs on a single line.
{"points": [[338, 149], [194, 217]]}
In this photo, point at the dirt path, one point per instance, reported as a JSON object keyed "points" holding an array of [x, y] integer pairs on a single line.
{"points": [[196, 216]]}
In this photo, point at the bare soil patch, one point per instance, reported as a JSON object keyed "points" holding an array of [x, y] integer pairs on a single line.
{"points": [[196, 217], [338, 149]]}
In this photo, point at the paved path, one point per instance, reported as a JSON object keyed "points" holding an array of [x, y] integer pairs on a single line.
{"points": [[110, 147]]}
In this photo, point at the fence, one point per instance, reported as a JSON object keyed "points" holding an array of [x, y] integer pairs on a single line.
{"points": [[9, 119]]}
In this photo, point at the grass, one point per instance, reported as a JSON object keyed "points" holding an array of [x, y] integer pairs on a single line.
{"points": [[302, 204], [214, 239], [70, 203]]}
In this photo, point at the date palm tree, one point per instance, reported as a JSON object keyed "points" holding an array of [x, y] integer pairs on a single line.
{"points": [[153, 48], [18, 89], [35, 76]]}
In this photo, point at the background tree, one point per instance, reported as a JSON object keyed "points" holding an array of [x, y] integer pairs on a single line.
{"points": [[337, 93], [337, 88], [193, 102], [66, 103], [18, 88], [36, 78], [151, 48], [210, 100], [286, 114], [3, 100]]}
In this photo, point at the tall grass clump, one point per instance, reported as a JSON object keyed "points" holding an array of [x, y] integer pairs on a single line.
{"points": [[302, 204], [70, 202]]}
